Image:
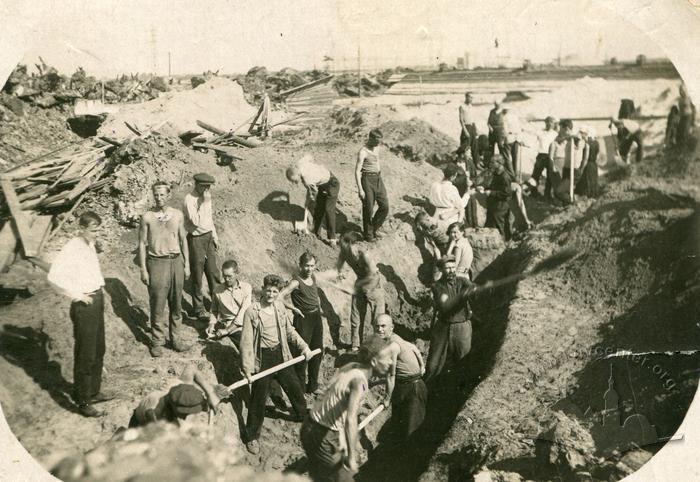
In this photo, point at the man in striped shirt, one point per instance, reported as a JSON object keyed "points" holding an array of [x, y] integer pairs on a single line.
{"points": [[370, 187]]}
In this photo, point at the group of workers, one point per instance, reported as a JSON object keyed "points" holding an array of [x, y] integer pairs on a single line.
{"points": [[174, 244]]}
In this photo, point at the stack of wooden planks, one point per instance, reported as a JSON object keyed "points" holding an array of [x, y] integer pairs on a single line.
{"points": [[56, 180]]}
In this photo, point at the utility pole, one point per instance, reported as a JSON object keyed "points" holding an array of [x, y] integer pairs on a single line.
{"points": [[359, 73]]}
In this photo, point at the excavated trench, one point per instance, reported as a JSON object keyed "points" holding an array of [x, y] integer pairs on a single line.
{"points": [[626, 307]]}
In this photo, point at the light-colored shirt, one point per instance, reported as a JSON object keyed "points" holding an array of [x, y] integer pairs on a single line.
{"points": [[163, 231], [76, 269], [512, 128], [466, 114], [371, 160], [198, 215], [545, 139], [330, 410], [444, 196], [630, 125], [269, 335], [313, 174], [229, 301], [464, 255]]}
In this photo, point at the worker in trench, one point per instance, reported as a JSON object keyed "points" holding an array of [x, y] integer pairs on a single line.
{"points": [[265, 342], [370, 187], [405, 388], [329, 435]]}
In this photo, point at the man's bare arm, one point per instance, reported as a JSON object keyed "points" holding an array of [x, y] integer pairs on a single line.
{"points": [[358, 173], [355, 398]]}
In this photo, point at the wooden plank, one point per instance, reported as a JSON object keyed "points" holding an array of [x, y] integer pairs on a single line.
{"points": [[225, 149], [210, 128], [37, 235], [8, 245], [305, 86], [20, 219]]}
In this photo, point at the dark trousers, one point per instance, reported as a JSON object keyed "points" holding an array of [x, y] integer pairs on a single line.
{"points": [[322, 447], [203, 261], [544, 163], [166, 279], [626, 146], [496, 139], [288, 380], [408, 406], [514, 149], [449, 344], [498, 216], [362, 304], [310, 328], [374, 189], [326, 200], [468, 141], [89, 347]]}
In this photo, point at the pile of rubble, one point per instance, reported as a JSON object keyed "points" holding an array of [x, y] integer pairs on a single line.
{"points": [[47, 88]]}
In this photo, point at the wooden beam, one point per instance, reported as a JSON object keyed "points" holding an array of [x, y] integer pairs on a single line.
{"points": [[20, 219], [37, 235], [8, 245], [305, 86]]}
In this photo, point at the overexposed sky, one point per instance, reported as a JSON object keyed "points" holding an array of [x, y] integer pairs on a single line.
{"points": [[112, 37]]}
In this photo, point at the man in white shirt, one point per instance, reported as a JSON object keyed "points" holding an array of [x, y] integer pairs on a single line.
{"points": [[229, 304], [76, 274], [202, 241], [467, 119], [513, 129], [444, 196], [322, 186], [543, 162], [629, 132]]}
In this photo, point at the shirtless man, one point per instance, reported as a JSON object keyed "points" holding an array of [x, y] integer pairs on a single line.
{"points": [[368, 297], [164, 261], [405, 386], [329, 435]]}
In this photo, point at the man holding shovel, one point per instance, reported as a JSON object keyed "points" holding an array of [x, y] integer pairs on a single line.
{"points": [[265, 339]]}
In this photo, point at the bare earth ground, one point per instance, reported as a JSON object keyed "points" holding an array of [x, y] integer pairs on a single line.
{"points": [[535, 348]]}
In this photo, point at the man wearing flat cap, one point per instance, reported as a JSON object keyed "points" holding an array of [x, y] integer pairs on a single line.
{"points": [[202, 241], [370, 187], [451, 333]]}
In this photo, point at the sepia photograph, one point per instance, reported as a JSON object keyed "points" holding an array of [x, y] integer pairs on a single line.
{"points": [[335, 240]]}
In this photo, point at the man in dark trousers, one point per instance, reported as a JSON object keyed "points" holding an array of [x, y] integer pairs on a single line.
{"points": [[467, 120], [306, 306], [497, 133], [405, 388], [451, 333], [370, 187], [202, 240], [265, 339], [76, 274], [163, 258]]}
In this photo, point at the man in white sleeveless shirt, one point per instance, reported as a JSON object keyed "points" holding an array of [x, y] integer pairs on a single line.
{"points": [[329, 435]]}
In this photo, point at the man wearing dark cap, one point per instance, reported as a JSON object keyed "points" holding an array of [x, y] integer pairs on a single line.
{"points": [[187, 395], [451, 333], [202, 241], [370, 187]]}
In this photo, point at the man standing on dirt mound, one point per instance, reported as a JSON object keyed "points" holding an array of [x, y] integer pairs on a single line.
{"points": [[164, 261], [370, 187], [76, 274], [404, 386], [202, 240], [368, 300], [451, 333]]}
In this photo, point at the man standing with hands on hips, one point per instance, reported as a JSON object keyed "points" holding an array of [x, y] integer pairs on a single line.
{"points": [[164, 264], [76, 274], [370, 187], [202, 241]]}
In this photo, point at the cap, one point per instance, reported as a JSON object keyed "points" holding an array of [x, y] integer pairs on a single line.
{"points": [[376, 134], [186, 399], [204, 178], [448, 258]]}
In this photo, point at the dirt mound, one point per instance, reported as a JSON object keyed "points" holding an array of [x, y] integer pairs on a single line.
{"points": [[219, 102], [163, 451], [412, 139]]}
